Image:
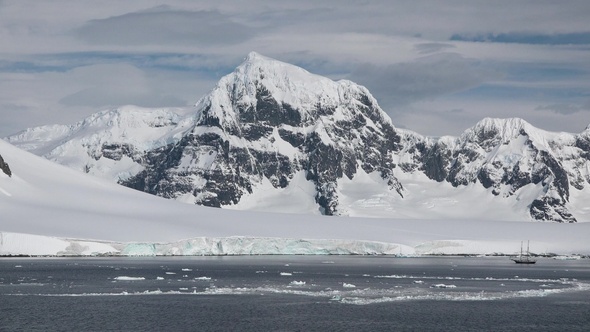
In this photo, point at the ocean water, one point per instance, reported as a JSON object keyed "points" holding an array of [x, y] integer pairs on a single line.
{"points": [[293, 293]]}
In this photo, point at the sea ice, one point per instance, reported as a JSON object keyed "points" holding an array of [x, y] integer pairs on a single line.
{"points": [[203, 278], [125, 278], [443, 286], [297, 283]]}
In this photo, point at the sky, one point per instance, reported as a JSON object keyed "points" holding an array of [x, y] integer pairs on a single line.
{"points": [[436, 67]]}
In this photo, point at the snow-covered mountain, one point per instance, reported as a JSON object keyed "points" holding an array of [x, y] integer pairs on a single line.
{"points": [[271, 122], [110, 144], [271, 133], [49, 209], [512, 159]]}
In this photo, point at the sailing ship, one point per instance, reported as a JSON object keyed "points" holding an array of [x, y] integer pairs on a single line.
{"points": [[524, 258]]}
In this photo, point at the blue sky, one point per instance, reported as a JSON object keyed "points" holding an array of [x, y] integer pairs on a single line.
{"points": [[436, 67]]}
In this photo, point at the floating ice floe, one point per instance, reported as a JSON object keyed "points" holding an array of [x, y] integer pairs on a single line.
{"points": [[203, 278], [443, 286], [297, 283], [125, 278], [345, 285], [286, 274], [564, 257]]}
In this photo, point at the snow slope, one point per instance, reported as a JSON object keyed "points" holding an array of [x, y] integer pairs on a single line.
{"points": [[49, 209]]}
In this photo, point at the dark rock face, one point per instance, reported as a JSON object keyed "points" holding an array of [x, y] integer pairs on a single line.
{"points": [[550, 209], [269, 111], [116, 151], [217, 173], [4, 167]]}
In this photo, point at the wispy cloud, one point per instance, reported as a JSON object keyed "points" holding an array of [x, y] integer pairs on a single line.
{"points": [[428, 48], [566, 109], [165, 26], [425, 78], [574, 38], [164, 61]]}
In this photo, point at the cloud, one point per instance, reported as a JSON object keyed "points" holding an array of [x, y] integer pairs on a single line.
{"points": [[13, 115], [574, 38], [202, 64], [565, 109], [425, 78], [165, 26], [428, 48], [118, 84]]}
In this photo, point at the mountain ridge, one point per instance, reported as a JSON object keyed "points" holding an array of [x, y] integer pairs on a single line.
{"points": [[48, 209], [268, 121]]}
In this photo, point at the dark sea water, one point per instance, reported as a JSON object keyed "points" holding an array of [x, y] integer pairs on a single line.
{"points": [[293, 293]]}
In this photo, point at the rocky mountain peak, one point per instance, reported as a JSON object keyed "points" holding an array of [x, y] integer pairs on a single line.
{"points": [[295, 96], [502, 130], [253, 55], [267, 121]]}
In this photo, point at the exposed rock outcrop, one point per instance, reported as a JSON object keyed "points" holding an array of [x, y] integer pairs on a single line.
{"points": [[4, 167]]}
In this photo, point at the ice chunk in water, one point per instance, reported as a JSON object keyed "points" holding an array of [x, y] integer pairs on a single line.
{"points": [[125, 278]]}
